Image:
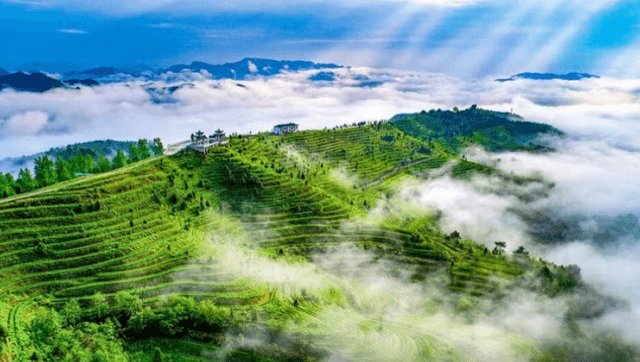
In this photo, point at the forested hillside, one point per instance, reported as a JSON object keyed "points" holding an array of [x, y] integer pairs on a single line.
{"points": [[494, 130], [262, 250]]}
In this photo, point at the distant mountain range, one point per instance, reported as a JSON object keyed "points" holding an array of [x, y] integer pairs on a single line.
{"points": [[548, 76], [249, 67], [38, 82], [35, 82], [88, 82], [246, 68], [92, 73], [323, 77], [363, 80]]}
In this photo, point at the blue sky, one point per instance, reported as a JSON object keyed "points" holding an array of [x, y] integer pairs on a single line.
{"points": [[465, 37]]}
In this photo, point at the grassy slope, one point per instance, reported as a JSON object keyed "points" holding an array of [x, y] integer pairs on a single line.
{"points": [[141, 229]]}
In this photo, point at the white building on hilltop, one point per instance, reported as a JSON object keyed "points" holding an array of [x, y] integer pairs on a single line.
{"points": [[286, 128]]}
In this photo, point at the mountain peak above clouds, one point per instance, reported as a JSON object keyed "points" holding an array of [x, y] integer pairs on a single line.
{"points": [[245, 68], [35, 82], [248, 67], [548, 76]]}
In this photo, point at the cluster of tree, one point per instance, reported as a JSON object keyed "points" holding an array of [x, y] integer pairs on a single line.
{"points": [[359, 124], [499, 248], [61, 337], [560, 279], [141, 151], [454, 236], [96, 331], [177, 316], [93, 148], [58, 335], [49, 171], [183, 317]]}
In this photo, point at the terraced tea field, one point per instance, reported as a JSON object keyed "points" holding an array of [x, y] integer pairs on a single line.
{"points": [[248, 241]]}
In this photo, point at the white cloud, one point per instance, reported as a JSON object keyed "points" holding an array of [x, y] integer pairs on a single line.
{"points": [[26, 124], [163, 25], [126, 110], [72, 31], [57, 76], [235, 33], [436, 3], [613, 270], [591, 177], [252, 67], [595, 109], [128, 7], [474, 208]]}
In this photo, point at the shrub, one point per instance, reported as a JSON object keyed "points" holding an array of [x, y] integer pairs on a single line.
{"points": [[464, 304], [4, 333], [157, 355], [173, 198]]}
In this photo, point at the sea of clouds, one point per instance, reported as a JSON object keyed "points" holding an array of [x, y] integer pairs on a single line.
{"points": [[595, 170]]}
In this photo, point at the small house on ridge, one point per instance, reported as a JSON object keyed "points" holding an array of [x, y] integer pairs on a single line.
{"points": [[283, 129]]}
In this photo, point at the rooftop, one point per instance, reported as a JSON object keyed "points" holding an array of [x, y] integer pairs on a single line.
{"points": [[286, 125]]}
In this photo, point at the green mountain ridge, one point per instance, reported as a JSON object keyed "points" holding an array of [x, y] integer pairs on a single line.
{"points": [[496, 131], [256, 252]]}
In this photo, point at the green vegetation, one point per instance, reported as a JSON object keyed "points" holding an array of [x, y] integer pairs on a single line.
{"points": [[495, 131], [95, 149], [48, 171], [193, 257]]}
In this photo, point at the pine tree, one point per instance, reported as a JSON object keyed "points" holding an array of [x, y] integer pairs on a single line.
{"points": [[143, 149], [104, 164], [75, 164], [25, 181], [134, 153], [7, 185], [157, 355], [45, 172], [120, 160], [87, 164], [62, 169], [158, 147]]}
